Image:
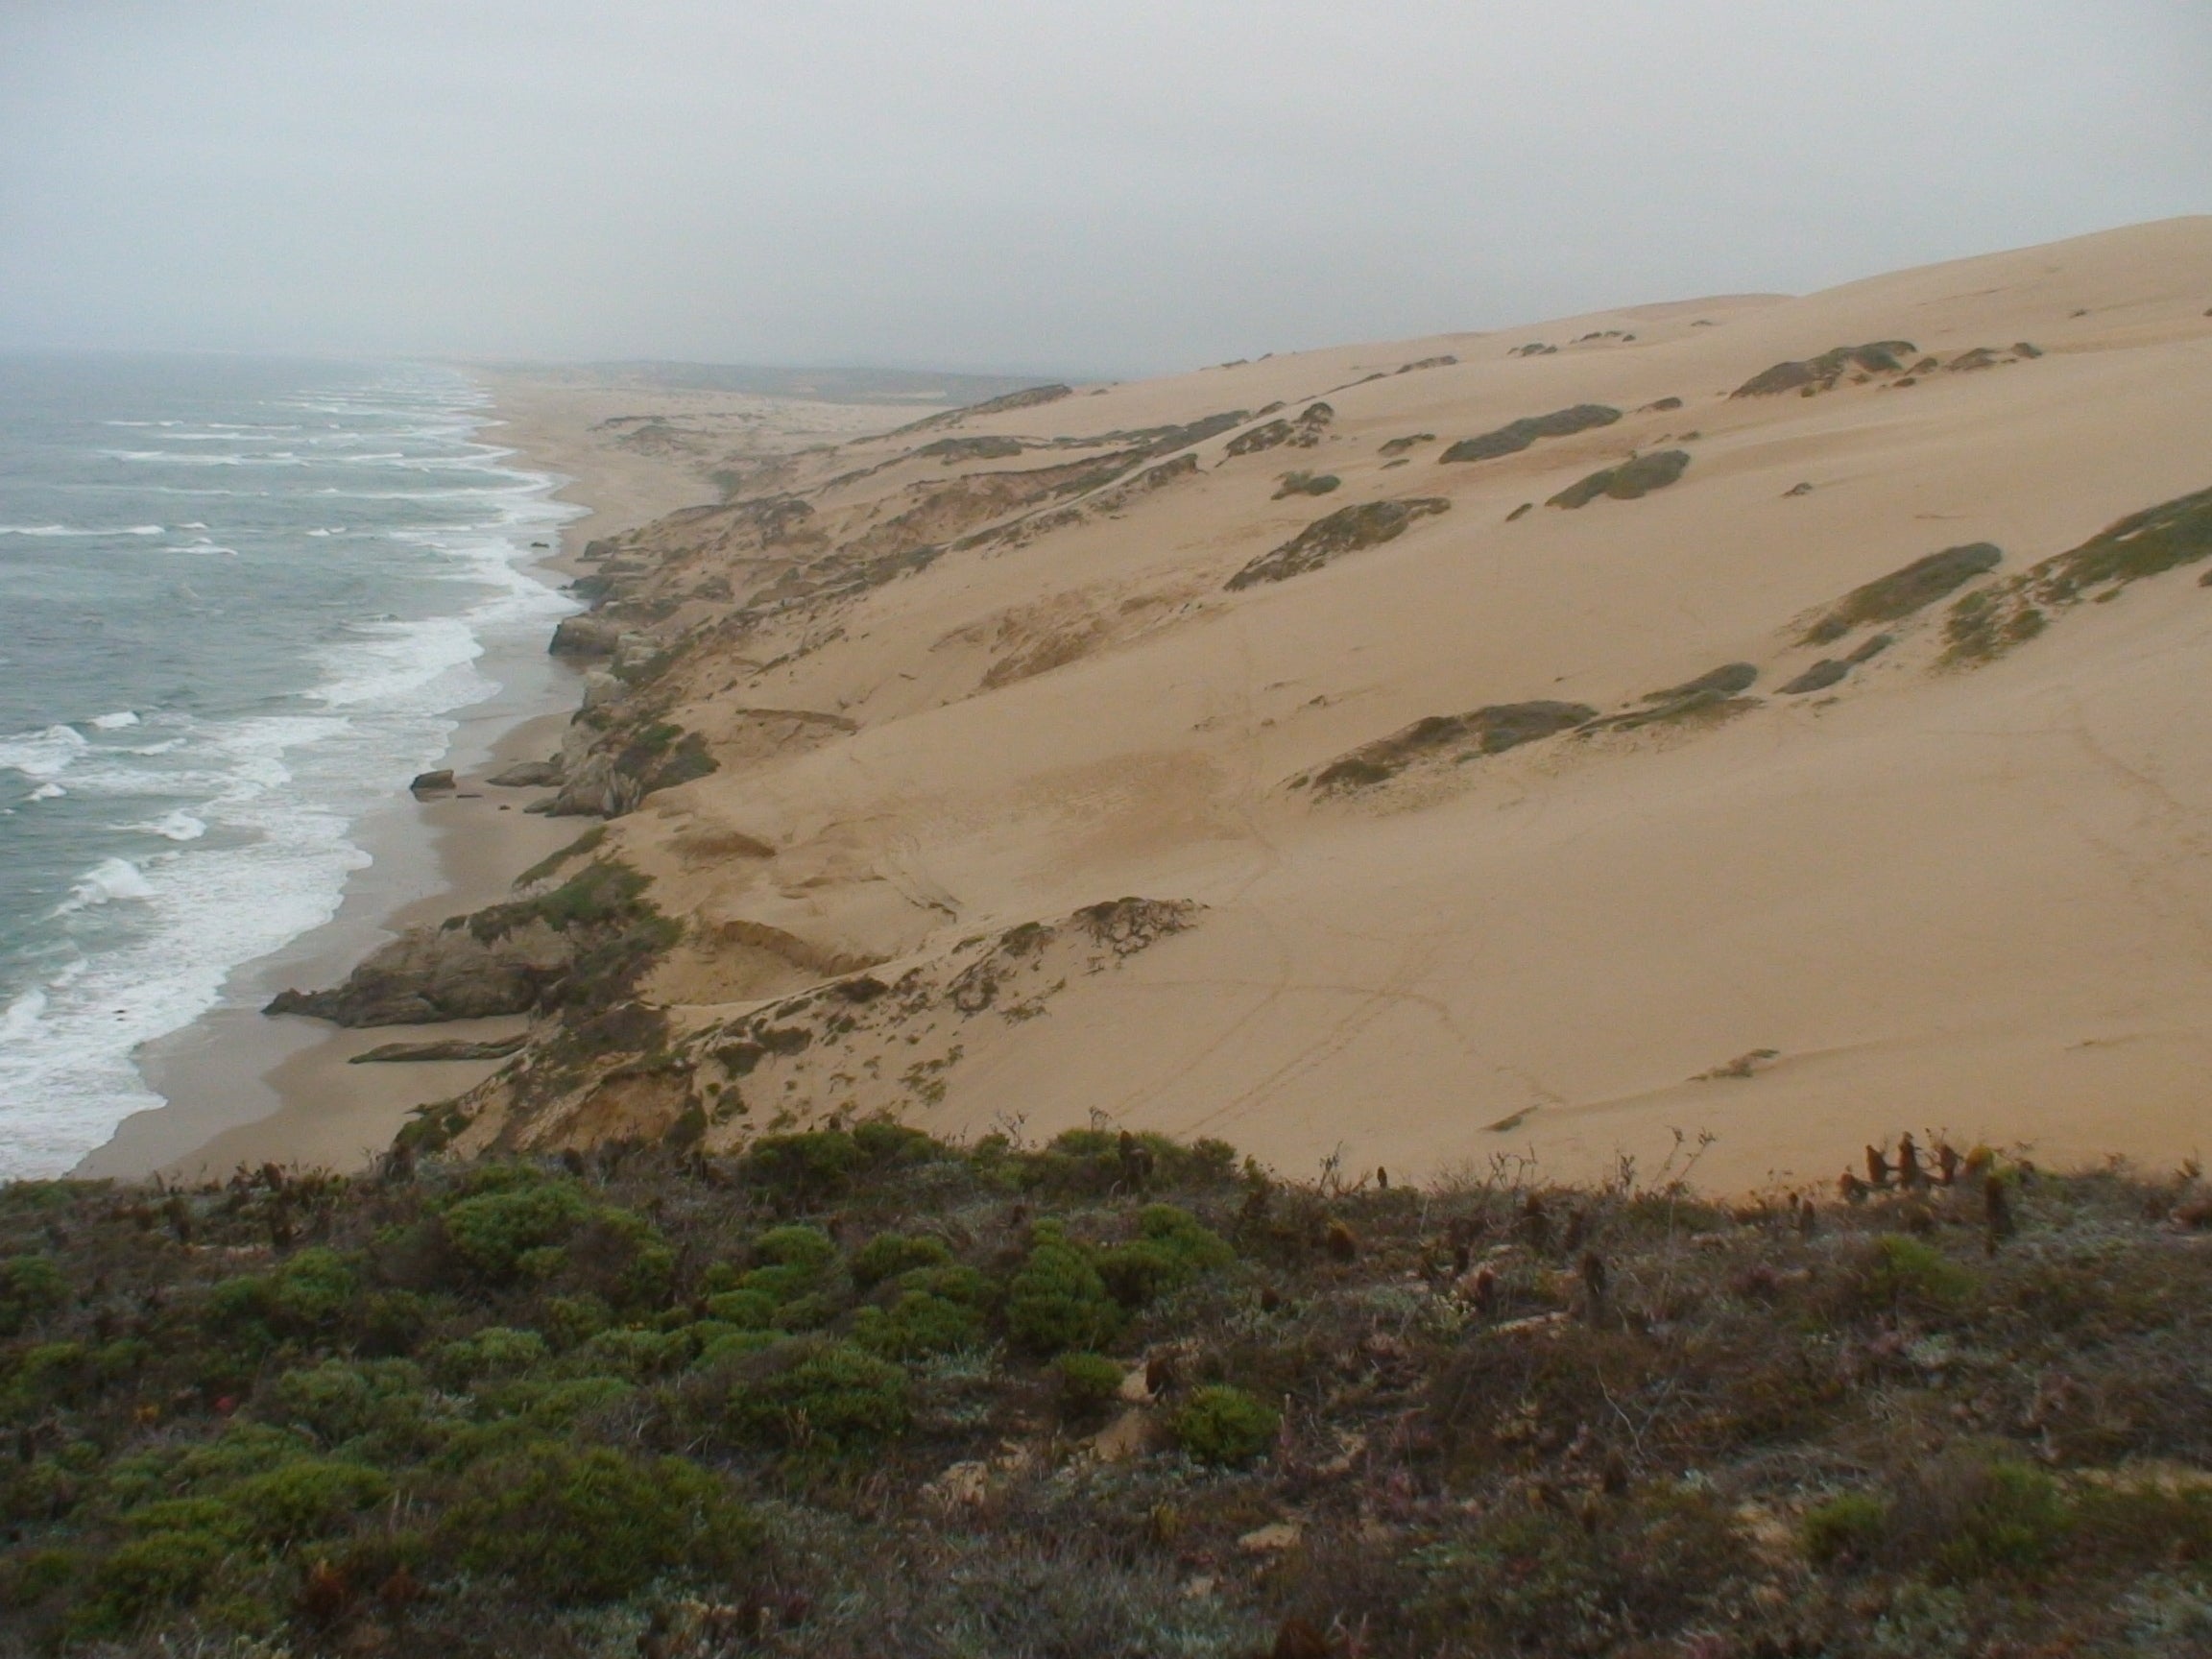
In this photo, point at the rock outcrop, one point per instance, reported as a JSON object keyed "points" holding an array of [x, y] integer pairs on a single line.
{"points": [[445, 973]]}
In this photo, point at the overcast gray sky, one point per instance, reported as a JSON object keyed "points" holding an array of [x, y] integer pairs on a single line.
{"points": [[991, 184]]}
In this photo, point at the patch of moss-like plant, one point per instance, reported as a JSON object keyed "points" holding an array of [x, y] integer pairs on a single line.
{"points": [[1491, 730], [1516, 436], [1307, 484], [1821, 373], [1818, 677], [587, 842], [1990, 621], [1914, 586], [1627, 481], [1347, 530]]}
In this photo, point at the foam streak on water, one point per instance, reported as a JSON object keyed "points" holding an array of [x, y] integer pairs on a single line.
{"points": [[198, 702]]}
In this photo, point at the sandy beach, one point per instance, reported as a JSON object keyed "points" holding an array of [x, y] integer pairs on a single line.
{"points": [[243, 1087]]}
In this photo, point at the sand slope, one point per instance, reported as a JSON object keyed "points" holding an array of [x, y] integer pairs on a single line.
{"points": [[1968, 899]]}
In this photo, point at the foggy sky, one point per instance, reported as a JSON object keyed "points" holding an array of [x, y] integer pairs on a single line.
{"points": [[1045, 185]]}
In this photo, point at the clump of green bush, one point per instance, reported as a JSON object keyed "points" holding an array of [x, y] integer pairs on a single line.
{"points": [[1058, 1299], [1223, 1425], [811, 1395], [592, 1525]]}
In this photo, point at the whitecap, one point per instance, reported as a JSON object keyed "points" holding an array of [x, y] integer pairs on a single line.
{"points": [[50, 530], [107, 881], [43, 755], [114, 722], [176, 826], [48, 792], [22, 1016]]}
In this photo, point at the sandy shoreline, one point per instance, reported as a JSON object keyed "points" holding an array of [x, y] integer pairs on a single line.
{"points": [[241, 1086]]}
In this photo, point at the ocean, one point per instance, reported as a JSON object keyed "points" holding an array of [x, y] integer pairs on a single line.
{"points": [[241, 602]]}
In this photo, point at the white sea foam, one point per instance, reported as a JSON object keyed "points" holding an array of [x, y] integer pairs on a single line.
{"points": [[109, 879], [71, 530], [48, 792], [114, 722], [176, 826], [260, 849], [43, 755]]}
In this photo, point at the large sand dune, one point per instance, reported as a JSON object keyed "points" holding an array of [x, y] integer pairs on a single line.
{"points": [[949, 699]]}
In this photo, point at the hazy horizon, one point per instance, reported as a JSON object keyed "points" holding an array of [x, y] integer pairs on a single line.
{"points": [[986, 187]]}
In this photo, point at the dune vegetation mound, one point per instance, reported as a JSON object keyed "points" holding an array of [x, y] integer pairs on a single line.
{"points": [[1488, 730], [1516, 436], [1914, 586], [1631, 479], [1991, 621], [1347, 530], [856, 1391], [1821, 373]]}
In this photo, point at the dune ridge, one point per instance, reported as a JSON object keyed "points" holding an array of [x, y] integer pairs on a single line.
{"points": [[1730, 783]]}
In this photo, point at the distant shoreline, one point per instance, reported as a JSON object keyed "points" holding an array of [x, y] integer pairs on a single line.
{"points": [[241, 1087]]}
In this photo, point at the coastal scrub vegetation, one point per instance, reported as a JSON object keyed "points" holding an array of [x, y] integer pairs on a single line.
{"points": [[855, 1390], [1516, 436], [1990, 620]]}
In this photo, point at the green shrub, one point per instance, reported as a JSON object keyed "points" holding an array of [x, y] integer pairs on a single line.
{"points": [[816, 1395], [1058, 1300], [495, 1350], [804, 1247], [1905, 1271], [494, 1232], [918, 1325], [630, 1353], [813, 1165], [592, 1525], [31, 1287], [1224, 1424], [141, 1578], [1989, 1516], [1172, 1248], [1088, 1381], [1542, 1580], [889, 1253], [343, 1400], [307, 1499], [747, 1310], [1847, 1527]]}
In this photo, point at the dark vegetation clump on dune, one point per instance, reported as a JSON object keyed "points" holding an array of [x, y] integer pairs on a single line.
{"points": [[1488, 730], [1632, 479], [1516, 436], [1991, 621], [1821, 373], [1715, 694], [853, 1391], [1347, 530], [1307, 484], [971, 448], [1893, 597]]}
